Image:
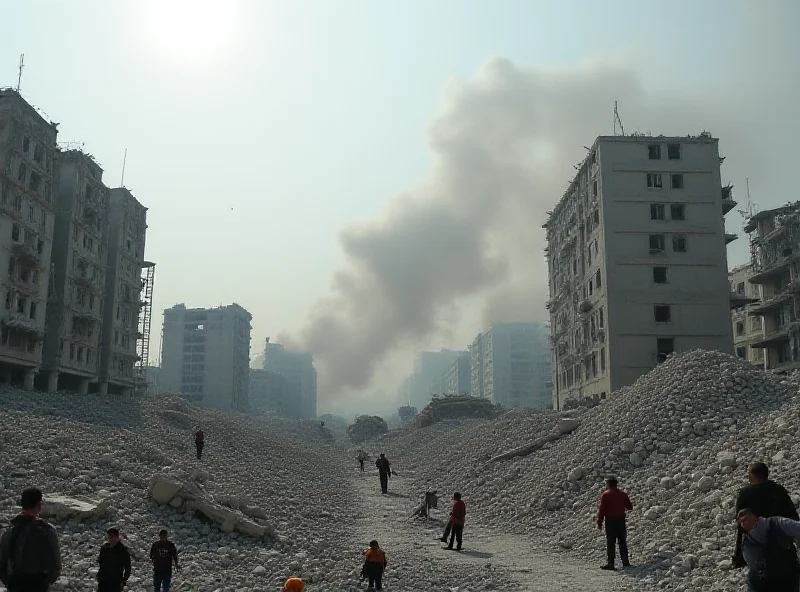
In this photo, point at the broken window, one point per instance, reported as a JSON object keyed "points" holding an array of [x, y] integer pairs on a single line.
{"points": [[24, 273], [31, 213], [679, 243], [22, 173], [657, 242], [654, 180], [674, 151], [677, 212], [15, 233], [676, 181], [18, 202], [32, 313], [740, 288], [660, 275], [35, 181], [590, 288], [89, 356], [12, 264], [597, 279], [657, 211], [8, 300], [602, 359], [39, 246], [26, 144], [20, 305], [740, 328], [594, 189], [80, 354], [91, 301], [71, 351], [38, 153], [600, 318], [654, 151], [662, 313], [664, 347]]}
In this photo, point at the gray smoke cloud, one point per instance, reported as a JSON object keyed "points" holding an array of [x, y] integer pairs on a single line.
{"points": [[503, 144]]}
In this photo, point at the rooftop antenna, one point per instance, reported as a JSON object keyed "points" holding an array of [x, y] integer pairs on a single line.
{"points": [[21, 66], [124, 161], [617, 120]]}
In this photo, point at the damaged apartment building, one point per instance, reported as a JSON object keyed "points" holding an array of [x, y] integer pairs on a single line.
{"points": [[747, 327], [775, 270], [637, 262], [205, 355], [29, 158]]}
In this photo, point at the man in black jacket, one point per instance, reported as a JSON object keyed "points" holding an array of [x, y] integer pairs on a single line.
{"points": [[384, 472], [115, 564], [764, 498], [30, 559]]}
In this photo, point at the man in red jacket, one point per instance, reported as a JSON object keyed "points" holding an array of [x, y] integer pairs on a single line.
{"points": [[612, 507], [455, 526]]}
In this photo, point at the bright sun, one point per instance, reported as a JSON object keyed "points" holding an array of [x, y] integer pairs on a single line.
{"points": [[191, 27]]}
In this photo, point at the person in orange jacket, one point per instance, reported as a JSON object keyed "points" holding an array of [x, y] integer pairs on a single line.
{"points": [[374, 564], [293, 585]]}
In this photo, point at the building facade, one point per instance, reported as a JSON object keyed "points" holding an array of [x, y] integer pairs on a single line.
{"points": [[272, 392], [295, 380], [476, 364], [426, 377], [72, 342], [516, 365], [747, 327], [457, 380], [205, 355], [29, 158], [637, 262], [775, 251], [123, 293]]}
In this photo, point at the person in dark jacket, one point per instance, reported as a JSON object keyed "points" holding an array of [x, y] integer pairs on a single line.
{"points": [[30, 559], [199, 442], [455, 526], [764, 498], [115, 564], [384, 472], [163, 554], [612, 508]]}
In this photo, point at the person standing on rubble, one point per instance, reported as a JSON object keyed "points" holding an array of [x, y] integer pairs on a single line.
{"points": [[361, 457], [612, 508], [374, 566], [199, 442], [384, 472], [30, 559], [764, 498], [163, 554], [115, 564], [455, 526]]}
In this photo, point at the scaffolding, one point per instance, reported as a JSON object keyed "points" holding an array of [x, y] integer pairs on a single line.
{"points": [[145, 316]]}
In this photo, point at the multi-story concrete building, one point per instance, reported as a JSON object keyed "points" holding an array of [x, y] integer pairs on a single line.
{"points": [[205, 355], [775, 251], [123, 291], [747, 328], [298, 393], [273, 392], [71, 357], [637, 262], [457, 380], [29, 161], [476, 364], [426, 377], [516, 365]]}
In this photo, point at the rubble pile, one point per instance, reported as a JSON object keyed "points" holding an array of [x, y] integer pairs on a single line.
{"points": [[679, 440], [268, 498], [451, 407], [366, 427]]}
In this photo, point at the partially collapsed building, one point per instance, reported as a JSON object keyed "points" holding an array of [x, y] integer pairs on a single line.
{"points": [[775, 261]]}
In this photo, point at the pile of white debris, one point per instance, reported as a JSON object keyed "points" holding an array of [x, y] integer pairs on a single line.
{"points": [[679, 440], [268, 500]]}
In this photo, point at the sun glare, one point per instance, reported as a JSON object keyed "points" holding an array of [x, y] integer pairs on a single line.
{"points": [[191, 27]]}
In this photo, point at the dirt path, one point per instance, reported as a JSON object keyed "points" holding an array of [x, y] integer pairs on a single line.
{"points": [[511, 560]]}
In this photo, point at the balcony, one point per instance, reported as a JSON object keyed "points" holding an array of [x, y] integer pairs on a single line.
{"points": [[26, 253], [771, 268], [773, 336], [86, 281], [730, 237], [21, 322], [772, 303], [84, 312]]}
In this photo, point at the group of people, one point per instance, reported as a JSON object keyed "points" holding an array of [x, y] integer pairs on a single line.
{"points": [[30, 556], [767, 523]]}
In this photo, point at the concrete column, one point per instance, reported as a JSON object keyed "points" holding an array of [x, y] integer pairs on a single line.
{"points": [[83, 386], [52, 382], [27, 381], [102, 388], [127, 392]]}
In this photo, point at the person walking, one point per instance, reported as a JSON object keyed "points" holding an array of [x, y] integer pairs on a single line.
{"points": [[362, 456], [769, 552], [199, 442], [30, 558], [763, 497], [115, 564], [384, 472], [374, 565], [163, 554], [611, 508], [455, 525]]}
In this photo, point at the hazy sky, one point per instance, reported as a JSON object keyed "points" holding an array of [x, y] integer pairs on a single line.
{"points": [[370, 178]]}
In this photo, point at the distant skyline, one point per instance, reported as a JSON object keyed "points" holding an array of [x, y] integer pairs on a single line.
{"points": [[261, 134]]}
